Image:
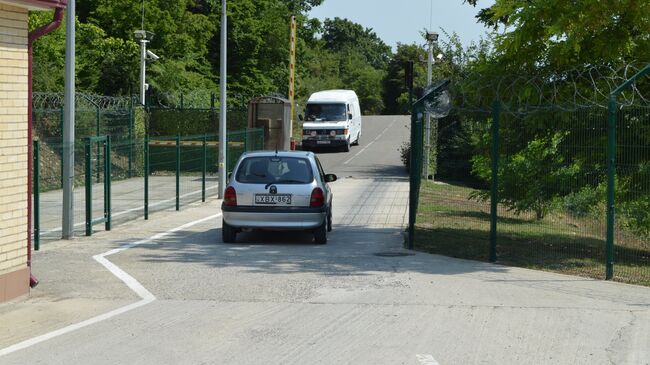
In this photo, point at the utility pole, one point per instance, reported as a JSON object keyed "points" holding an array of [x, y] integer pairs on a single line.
{"points": [[432, 39], [69, 124], [223, 102]]}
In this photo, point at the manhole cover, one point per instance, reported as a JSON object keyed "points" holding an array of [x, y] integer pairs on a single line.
{"points": [[393, 254]]}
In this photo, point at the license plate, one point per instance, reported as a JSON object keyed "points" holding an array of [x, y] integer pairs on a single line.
{"points": [[273, 199], [322, 142]]}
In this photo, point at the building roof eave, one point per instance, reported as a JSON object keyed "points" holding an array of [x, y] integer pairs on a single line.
{"points": [[37, 4]]}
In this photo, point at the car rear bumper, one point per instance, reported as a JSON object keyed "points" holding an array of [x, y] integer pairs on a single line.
{"points": [[274, 217]]}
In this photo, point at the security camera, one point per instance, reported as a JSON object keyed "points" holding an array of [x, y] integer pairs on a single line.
{"points": [[432, 36], [143, 35], [140, 34], [152, 56]]}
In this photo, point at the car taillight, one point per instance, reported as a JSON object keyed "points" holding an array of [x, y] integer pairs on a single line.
{"points": [[230, 197], [317, 198]]}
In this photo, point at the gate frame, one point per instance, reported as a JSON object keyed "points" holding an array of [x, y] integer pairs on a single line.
{"points": [[106, 219]]}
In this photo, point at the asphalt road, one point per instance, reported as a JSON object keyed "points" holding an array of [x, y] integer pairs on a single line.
{"points": [[184, 297]]}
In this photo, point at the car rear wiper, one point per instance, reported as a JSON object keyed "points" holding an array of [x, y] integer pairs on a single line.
{"points": [[284, 182]]}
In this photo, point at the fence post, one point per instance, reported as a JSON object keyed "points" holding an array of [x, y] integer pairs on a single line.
{"points": [[204, 167], [107, 183], [97, 131], [146, 177], [611, 186], [412, 188], [89, 194], [37, 197], [178, 171], [61, 119], [130, 172], [494, 191]]}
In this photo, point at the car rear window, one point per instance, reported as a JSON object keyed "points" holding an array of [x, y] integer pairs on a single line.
{"points": [[274, 170]]}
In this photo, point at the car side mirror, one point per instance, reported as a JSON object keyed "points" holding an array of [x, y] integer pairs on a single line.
{"points": [[300, 116], [349, 115], [330, 178]]}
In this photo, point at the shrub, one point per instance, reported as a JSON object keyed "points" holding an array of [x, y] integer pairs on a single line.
{"points": [[405, 154]]}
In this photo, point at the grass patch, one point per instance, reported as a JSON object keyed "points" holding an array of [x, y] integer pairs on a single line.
{"points": [[450, 224]]}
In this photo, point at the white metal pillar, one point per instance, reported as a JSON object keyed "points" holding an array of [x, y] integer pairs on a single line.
{"points": [[223, 102], [69, 124], [143, 69]]}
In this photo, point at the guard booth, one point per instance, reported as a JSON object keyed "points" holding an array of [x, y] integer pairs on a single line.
{"points": [[273, 114]]}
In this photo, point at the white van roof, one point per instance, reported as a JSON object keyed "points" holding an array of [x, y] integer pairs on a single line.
{"points": [[328, 96]]}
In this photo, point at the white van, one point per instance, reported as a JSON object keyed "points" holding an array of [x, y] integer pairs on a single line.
{"points": [[332, 119]]}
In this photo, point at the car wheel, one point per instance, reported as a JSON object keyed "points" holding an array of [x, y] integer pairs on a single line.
{"points": [[320, 233], [329, 220], [228, 233]]}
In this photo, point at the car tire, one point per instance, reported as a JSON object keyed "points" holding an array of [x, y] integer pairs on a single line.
{"points": [[228, 233], [329, 220], [320, 233]]}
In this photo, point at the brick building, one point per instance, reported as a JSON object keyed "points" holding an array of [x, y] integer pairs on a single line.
{"points": [[15, 140]]}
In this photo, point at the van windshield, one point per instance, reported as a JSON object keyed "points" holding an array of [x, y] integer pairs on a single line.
{"points": [[325, 112]]}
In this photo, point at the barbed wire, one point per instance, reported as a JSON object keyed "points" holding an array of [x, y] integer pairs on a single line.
{"points": [[567, 90], [50, 100]]}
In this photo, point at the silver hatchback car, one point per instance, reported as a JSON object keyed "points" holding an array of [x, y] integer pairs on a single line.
{"points": [[278, 191]]}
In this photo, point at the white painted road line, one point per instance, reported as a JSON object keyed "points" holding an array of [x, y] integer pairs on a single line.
{"points": [[369, 144], [427, 360], [130, 281]]}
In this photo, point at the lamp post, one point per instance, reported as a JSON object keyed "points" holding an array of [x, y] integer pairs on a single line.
{"points": [[223, 101], [432, 39], [144, 37]]}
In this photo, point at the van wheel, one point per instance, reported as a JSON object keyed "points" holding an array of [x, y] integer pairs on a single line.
{"points": [[320, 233], [346, 147], [228, 233]]}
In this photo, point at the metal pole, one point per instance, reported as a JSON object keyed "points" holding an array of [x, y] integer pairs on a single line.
{"points": [[69, 124], [611, 184], [146, 177], [37, 197], [178, 172], [223, 101], [204, 166], [427, 136], [107, 182], [143, 69], [130, 173], [89, 189], [494, 196]]}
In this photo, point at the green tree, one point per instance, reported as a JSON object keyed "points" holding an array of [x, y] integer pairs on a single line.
{"points": [[531, 178], [561, 34]]}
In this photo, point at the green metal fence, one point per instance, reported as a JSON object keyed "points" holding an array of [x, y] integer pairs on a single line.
{"points": [[546, 187], [177, 177]]}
